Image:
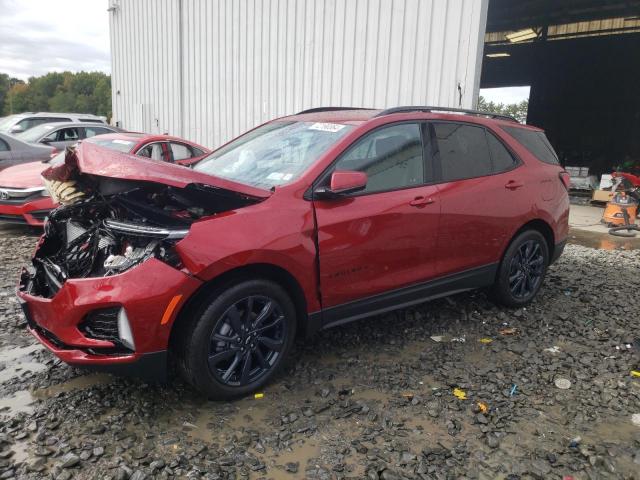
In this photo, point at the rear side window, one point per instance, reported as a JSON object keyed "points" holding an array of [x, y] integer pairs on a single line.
{"points": [[463, 151], [500, 156], [180, 151], [392, 158], [536, 142], [93, 131]]}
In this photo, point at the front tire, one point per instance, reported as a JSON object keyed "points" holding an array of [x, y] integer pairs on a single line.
{"points": [[522, 270], [239, 339]]}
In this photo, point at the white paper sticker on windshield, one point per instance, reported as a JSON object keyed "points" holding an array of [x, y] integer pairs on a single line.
{"points": [[275, 176], [327, 127], [122, 142]]}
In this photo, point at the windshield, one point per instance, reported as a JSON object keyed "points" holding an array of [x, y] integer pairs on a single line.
{"points": [[7, 122], [36, 133], [112, 143], [273, 154]]}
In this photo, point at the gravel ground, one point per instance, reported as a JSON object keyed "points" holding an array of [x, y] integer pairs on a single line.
{"points": [[456, 388]]}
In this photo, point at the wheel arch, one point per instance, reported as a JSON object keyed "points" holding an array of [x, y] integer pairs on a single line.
{"points": [[265, 271], [539, 225]]}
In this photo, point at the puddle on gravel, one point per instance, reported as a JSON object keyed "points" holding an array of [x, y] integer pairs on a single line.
{"points": [[76, 383], [603, 241], [302, 453], [18, 402], [17, 361], [23, 400]]}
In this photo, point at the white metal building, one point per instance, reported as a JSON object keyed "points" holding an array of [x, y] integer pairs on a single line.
{"points": [[208, 70]]}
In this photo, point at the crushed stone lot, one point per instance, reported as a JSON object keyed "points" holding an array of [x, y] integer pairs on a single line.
{"points": [[455, 388]]}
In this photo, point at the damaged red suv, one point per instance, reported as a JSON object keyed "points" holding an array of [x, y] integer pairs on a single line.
{"points": [[304, 223]]}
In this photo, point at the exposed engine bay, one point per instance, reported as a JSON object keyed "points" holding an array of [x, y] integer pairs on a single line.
{"points": [[105, 226]]}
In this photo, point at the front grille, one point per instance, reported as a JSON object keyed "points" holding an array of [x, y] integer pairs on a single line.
{"points": [[101, 325], [40, 215], [12, 218]]}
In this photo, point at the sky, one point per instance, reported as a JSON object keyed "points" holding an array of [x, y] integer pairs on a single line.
{"points": [[40, 36], [506, 95]]}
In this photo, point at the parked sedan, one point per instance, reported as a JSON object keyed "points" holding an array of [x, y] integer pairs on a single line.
{"points": [[24, 200], [14, 151], [65, 134]]}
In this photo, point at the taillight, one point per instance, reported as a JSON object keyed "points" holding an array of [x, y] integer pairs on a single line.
{"points": [[565, 178]]}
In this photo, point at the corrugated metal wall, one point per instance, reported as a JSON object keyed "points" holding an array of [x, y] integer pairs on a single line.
{"points": [[208, 70]]}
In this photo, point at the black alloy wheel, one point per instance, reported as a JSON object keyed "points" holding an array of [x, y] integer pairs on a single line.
{"points": [[247, 340], [522, 270], [238, 339], [526, 269]]}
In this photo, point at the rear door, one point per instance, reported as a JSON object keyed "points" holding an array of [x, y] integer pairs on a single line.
{"points": [[483, 196], [384, 237]]}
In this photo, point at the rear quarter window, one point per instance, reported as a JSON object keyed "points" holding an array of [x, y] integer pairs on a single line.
{"points": [[536, 142]]}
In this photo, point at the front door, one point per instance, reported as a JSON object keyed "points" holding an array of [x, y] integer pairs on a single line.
{"points": [[382, 238]]}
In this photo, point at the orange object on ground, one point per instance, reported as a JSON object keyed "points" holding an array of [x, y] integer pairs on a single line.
{"points": [[613, 213]]}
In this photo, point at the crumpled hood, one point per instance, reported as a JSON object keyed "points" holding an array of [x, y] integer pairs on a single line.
{"points": [[92, 159], [24, 175]]}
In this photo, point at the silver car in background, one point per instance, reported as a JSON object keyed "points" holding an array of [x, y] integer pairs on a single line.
{"points": [[64, 134], [21, 122], [14, 151]]}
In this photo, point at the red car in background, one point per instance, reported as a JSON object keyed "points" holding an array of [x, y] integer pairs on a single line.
{"points": [[301, 224], [24, 199]]}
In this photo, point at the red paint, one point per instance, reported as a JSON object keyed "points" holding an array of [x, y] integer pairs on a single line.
{"points": [[366, 244], [28, 175]]}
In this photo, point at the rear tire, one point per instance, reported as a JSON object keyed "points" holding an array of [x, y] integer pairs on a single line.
{"points": [[239, 339], [522, 270]]}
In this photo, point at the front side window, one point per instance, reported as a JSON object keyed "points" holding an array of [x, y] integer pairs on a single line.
{"points": [[273, 154], [152, 151], [392, 158], [63, 135], [463, 151]]}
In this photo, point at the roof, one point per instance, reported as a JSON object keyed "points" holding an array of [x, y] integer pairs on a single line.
{"points": [[357, 116]]}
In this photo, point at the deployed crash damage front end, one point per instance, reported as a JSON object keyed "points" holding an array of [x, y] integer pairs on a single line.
{"points": [[106, 281]]}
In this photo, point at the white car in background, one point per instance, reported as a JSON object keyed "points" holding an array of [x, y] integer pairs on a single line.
{"points": [[21, 122]]}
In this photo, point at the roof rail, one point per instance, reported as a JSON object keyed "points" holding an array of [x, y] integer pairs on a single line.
{"points": [[330, 109], [427, 109]]}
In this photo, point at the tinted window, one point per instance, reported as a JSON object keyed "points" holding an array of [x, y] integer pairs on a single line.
{"points": [[534, 141], [28, 123], [93, 131], [463, 151], [91, 120], [4, 146], [180, 151], [501, 159], [391, 157]]}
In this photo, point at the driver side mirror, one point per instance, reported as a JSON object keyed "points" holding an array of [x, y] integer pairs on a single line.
{"points": [[16, 129], [343, 182]]}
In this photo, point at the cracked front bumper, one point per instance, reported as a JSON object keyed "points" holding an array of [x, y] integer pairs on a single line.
{"points": [[145, 292]]}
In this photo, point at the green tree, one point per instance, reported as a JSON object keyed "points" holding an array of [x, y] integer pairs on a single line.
{"points": [[81, 92], [6, 82], [516, 110]]}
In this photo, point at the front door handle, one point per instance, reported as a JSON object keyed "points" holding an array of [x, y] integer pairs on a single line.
{"points": [[513, 184], [421, 201]]}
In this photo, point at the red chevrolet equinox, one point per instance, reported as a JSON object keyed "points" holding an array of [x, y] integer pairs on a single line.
{"points": [[301, 224]]}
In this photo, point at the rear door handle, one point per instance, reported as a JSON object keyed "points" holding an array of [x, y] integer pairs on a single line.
{"points": [[513, 184], [421, 201]]}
